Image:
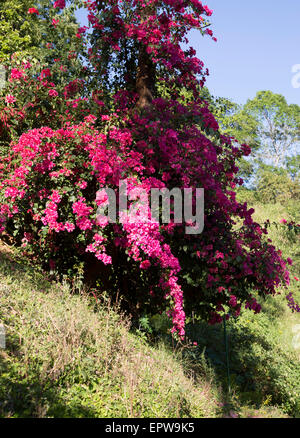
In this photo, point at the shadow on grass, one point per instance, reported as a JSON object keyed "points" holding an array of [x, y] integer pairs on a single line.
{"points": [[23, 392], [23, 395], [261, 371]]}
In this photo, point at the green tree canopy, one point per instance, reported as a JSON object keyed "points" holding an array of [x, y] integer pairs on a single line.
{"points": [[32, 34], [271, 127], [274, 184], [276, 125]]}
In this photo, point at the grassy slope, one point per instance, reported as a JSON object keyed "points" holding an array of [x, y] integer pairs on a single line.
{"points": [[67, 357]]}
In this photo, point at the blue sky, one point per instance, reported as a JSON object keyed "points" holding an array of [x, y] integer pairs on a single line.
{"points": [[258, 43]]}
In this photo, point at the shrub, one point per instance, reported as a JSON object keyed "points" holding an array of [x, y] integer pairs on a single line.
{"points": [[51, 177]]}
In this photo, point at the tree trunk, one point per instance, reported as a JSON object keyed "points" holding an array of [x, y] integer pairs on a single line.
{"points": [[145, 77]]}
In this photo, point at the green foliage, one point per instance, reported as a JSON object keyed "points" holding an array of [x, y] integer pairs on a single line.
{"points": [[235, 121], [18, 29], [275, 185], [267, 123], [33, 107], [293, 167], [31, 39], [263, 352], [28, 35], [281, 234], [263, 364]]}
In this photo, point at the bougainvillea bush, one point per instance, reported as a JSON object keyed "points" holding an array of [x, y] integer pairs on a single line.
{"points": [[135, 126]]}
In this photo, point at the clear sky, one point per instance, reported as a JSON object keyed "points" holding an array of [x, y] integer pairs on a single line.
{"points": [[258, 44]]}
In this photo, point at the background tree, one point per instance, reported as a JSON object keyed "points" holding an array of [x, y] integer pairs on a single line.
{"points": [[272, 128], [28, 27], [235, 122], [278, 126], [267, 123], [274, 184]]}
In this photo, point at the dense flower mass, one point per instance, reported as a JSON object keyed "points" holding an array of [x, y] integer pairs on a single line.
{"points": [[160, 26], [146, 134], [65, 202], [43, 150]]}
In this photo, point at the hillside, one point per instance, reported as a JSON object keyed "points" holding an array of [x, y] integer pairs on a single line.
{"points": [[68, 356]]}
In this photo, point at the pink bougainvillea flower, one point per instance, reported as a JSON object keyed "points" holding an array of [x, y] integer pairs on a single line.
{"points": [[53, 93], [16, 74], [80, 31], [232, 301], [59, 4], [69, 227], [33, 11], [55, 22], [145, 264], [105, 118], [55, 197], [10, 99], [45, 73]]}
